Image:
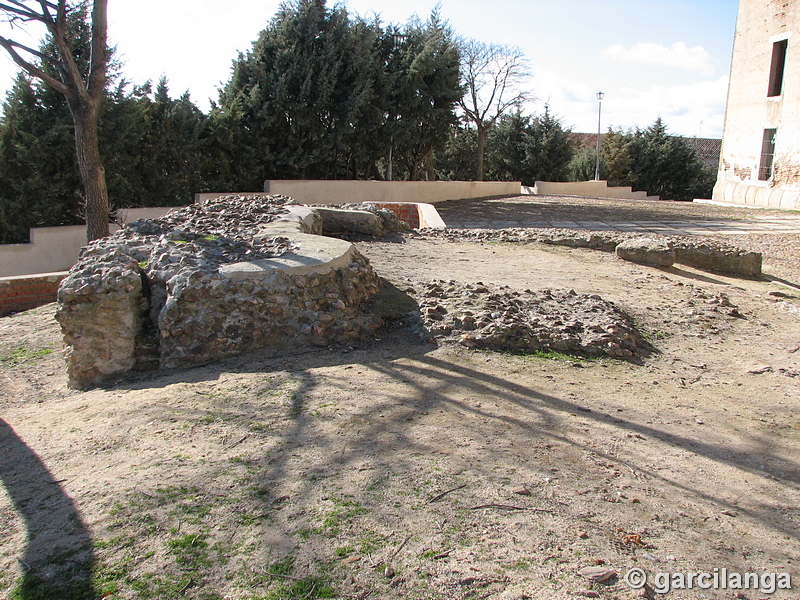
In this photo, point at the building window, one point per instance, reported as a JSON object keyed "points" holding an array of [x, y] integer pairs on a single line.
{"points": [[777, 67], [767, 154]]}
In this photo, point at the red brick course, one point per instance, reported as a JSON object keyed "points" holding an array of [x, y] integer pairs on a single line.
{"points": [[29, 291], [405, 211]]}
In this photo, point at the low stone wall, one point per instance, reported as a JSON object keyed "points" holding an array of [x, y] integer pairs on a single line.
{"points": [[701, 253], [23, 293]]}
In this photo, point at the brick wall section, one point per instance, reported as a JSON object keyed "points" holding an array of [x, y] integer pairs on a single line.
{"points": [[29, 291], [408, 212]]}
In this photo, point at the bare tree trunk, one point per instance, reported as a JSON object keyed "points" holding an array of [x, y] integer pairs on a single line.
{"points": [[84, 92], [481, 144], [93, 175], [430, 166]]}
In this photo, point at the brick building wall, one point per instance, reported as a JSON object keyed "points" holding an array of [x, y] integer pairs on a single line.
{"points": [[29, 291]]}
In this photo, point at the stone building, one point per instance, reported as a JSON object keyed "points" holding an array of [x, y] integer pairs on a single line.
{"points": [[760, 163]]}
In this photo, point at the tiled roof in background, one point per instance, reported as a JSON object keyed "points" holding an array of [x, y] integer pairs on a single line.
{"points": [[708, 149]]}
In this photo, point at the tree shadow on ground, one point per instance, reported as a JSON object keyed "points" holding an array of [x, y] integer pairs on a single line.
{"points": [[58, 558], [419, 382]]}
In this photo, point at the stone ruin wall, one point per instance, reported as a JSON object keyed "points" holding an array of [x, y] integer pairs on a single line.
{"points": [[219, 316], [164, 294]]}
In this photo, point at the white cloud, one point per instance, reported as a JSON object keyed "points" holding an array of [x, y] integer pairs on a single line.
{"points": [[696, 109], [678, 55], [691, 109]]}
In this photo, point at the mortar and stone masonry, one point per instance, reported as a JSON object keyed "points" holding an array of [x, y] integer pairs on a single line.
{"points": [[213, 280]]}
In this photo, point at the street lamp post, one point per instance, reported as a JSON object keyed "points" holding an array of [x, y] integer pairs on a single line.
{"points": [[599, 109]]}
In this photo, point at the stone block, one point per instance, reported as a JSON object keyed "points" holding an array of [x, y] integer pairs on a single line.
{"points": [[718, 258], [337, 221], [647, 251]]}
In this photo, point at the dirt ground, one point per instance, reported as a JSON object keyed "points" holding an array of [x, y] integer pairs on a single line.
{"points": [[398, 469]]}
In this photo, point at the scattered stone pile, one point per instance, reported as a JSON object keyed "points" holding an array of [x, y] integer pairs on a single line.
{"points": [[658, 250], [206, 282], [500, 318], [239, 218]]}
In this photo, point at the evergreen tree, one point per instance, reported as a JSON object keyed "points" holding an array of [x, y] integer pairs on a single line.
{"points": [[648, 160], [458, 161], [507, 149], [39, 182], [615, 158], [154, 154], [528, 149], [74, 63], [664, 165], [550, 150], [301, 92], [424, 89]]}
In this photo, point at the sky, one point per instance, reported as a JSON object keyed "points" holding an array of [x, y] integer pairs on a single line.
{"points": [[650, 58]]}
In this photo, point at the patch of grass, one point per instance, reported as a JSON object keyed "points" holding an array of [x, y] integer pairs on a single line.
{"points": [[32, 587], [309, 586], [260, 427], [346, 510], [190, 551], [20, 355], [248, 519], [370, 541], [177, 492], [154, 586], [344, 551], [72, 575]]}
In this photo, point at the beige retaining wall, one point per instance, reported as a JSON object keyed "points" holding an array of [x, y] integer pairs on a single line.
{"points": [[350, 191], [589, 189], [53, 249]]}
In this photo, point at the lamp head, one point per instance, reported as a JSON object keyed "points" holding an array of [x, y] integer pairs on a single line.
{"points": [[600, 95]]}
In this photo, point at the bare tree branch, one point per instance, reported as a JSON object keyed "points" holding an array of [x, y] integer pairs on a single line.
{"points": [[36, 53], [20, 12], [492, 76], [491, 73], [33, 70]]}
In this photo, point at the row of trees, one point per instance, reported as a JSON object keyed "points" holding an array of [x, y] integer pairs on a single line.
{"points": [[647, 159], [320, 95]]}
